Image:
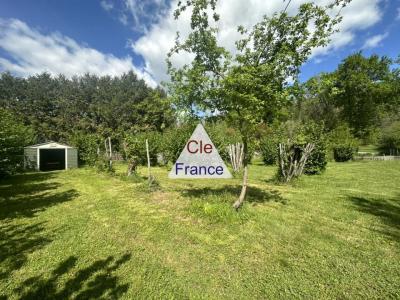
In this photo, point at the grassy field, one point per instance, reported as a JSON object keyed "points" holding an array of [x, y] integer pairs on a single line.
{"points": [[80, 234]]}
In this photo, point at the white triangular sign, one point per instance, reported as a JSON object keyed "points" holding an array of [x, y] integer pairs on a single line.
{"points": [[199, 159]]}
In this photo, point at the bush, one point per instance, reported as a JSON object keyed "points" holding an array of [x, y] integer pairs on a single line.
{"points": [[342, 143], [14, 136], [299, 135], [103, 165], [343, 153], [87, 145], [222, 136], [269, 149], [174, 140], [389, 142], [317, 161], [135, 147]]}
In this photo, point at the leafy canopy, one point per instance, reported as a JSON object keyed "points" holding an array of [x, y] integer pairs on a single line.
{"points": [[249, 85]]}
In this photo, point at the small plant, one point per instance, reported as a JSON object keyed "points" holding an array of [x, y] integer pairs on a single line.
{"points": [[343, 153], [343, 144], [103, 165]]}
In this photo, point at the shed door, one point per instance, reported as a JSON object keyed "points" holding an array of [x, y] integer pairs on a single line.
{"points": [[52, 159]]}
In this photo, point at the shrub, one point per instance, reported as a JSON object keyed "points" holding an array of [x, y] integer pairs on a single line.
{"points": [[343, 153], [301, 134], [135, 147], [87, 145], [14, 136], [389, 142], [342, 143], [222, 136], [269, 149], [317, 161], [173, 141], [103, 165]]}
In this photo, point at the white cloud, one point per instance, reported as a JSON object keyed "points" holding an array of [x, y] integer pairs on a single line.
{"points": [[156, 42], [107, 6], [143, 13], [374, 41], [31, 52], [123, 19], [398, 14]]}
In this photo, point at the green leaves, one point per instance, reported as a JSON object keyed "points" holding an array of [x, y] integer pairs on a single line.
{"points": [[57, 107], [364, 84], [249, 85], [14, 136]]}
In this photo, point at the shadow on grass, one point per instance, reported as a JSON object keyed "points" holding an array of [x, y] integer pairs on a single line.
{"points": [[254, 194], [97, 281], [25, 195], [21, 197], [28, 205], [17, 242], [388, 210]]}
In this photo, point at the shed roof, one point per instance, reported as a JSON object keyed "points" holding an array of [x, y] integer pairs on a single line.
{"points": [[50, 145]]}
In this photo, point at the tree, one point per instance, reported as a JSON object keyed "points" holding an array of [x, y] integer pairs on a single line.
{"points": [[14, 136], [59, 107], [318, 101], [249, 86], [365, 86]]}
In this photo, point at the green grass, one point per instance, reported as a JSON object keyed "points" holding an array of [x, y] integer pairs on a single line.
{"points": [[80, 234]]}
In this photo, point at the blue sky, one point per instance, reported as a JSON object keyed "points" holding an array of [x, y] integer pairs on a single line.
{"points": [[112, 37]]}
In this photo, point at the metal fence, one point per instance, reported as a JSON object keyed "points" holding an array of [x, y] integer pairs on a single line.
{"points": [[378, 157]]}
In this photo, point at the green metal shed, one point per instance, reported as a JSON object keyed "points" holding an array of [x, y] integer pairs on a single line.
{"points": [[50, 156]]}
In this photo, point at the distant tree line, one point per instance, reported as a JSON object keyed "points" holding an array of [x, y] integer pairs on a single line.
{"points": [[357, 103], [59, 107], [363, 92], [82, 111]]}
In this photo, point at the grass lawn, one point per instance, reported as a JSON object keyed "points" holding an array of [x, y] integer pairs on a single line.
{"points": [[80, 234]]}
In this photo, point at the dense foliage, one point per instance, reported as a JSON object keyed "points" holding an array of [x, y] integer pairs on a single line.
{"points": [[88, 145], [389, 142], [342, 143], [362, 92], [14, 135], [135, 147], [58, 107], [269, 149], [174, 140]]}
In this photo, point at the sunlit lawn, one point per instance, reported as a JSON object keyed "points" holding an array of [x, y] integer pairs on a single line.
{"points": [[81, 234]]}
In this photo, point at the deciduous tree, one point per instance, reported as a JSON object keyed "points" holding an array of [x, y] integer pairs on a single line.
{"points": [[247, 86]]}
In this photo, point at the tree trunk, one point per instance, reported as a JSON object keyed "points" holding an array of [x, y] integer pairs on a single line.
{"points": [[242, 196], [150, 179], [131, 168], [109, 145]]}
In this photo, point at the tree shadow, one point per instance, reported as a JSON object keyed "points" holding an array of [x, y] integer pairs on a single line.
{"points": [[23, 183], [97, 281], [388, 210], [24, 195], [28, 205], [17, 242], [254, 194]]}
